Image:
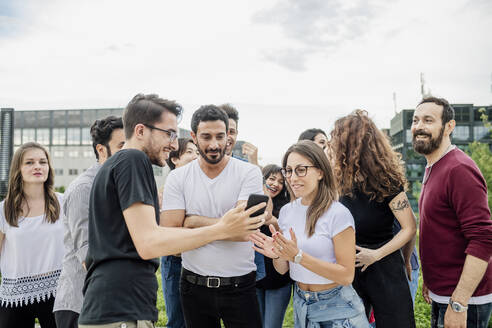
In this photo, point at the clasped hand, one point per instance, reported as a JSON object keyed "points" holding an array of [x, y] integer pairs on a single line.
{"points": [[276, 246], [365, 257]]}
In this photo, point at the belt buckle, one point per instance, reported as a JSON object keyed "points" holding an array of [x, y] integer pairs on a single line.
{"points": [[209, 279]]}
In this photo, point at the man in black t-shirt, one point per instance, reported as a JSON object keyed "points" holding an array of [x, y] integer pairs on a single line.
{"points": [[124, 236]]}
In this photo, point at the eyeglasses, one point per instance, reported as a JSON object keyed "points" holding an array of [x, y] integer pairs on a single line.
{"points": [[172, 134], [300, 171]]}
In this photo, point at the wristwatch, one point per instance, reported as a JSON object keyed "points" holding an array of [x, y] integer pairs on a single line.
{"points": [[457, 307], [298, 257]]}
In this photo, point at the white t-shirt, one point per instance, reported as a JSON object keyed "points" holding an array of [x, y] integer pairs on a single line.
{"points": [[320, 245], [31, 258], [189, 188]]}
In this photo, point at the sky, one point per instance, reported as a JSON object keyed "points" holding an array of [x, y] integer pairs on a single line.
{"points": [[286, 65]]}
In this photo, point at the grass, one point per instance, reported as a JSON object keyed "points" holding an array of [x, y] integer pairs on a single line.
{"points": [[422, 309]]}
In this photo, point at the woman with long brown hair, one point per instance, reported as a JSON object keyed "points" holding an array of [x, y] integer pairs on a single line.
{"points": [[31, 241], [371, 184], [320, 252]]}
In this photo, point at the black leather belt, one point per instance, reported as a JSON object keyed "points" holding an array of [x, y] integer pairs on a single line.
{"points": [[216, 282]]}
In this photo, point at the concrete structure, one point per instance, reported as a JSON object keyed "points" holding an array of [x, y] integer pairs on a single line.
{"points": [[469, 128], [66, 135]]}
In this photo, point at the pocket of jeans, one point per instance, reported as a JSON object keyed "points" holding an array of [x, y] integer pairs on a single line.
{"points": [[349, 295]]}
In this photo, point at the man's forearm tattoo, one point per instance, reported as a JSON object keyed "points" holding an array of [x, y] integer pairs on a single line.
{"points": [[400, 205]]}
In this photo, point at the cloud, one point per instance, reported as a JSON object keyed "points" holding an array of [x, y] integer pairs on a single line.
{"points": [[315, 26]]}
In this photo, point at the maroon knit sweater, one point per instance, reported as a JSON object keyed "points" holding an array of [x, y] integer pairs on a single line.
{"points": [[454, 221]]}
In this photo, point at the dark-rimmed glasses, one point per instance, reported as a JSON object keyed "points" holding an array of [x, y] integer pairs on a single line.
{"points": [[172, 134], [300, 171]]}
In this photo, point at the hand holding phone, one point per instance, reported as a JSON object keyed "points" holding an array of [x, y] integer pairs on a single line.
{"points": [[255, 199]]}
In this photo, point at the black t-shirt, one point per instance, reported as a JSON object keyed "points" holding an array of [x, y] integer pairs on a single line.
{"points": [[120, 285], [373, 220]]}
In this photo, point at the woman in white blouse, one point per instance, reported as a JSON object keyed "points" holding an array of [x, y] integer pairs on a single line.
{"points": [[31, 241], [319, 247]]}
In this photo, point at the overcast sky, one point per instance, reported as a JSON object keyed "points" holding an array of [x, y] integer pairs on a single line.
{"points": [[287, 65]]}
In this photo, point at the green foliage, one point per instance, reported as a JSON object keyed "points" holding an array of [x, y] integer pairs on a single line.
{"points": [[60, 189], [481, 154]]}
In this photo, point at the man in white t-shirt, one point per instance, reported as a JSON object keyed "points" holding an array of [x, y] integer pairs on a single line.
{"points": [[218, 280]]}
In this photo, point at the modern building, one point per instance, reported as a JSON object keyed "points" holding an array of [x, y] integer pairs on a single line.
{"points": [[66, 135], [469, 128]]}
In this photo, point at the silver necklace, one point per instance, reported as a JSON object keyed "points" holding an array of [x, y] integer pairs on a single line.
{"points": [[426, 176]]}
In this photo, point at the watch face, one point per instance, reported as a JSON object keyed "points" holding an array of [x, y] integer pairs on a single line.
{"points": [[455, 307]]}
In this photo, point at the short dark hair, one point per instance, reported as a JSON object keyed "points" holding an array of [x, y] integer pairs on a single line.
{"points": [[147, 109], [231, 112], [447, 109], [101, 131], [182, 144], [208, 113], [310, 134]]}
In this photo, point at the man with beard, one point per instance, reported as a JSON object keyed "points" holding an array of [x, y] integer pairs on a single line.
{"points": [[248, 149], [218, 279], [124, 236], [455, 225]]}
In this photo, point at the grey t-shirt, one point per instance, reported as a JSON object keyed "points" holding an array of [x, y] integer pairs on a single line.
{"points": [[75, 223]]}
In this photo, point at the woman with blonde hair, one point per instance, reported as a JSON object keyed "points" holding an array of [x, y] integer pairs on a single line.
{"points": [[31, 241], [316, 244], [371, 184]]}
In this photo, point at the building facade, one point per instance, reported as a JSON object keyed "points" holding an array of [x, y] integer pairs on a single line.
{"points": [[469, 128], [66, 135]]}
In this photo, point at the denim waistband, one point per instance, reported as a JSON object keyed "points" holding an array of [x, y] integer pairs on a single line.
{"points": [[317, 296], [340, 303]]}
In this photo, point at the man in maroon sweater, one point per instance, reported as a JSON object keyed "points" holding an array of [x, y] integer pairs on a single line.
{"points": [[455, 225]]}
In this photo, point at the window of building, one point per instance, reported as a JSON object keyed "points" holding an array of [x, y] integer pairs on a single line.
{"points": [[73, 118], [409, 136], [73, 136], [28, 135], [88, 153], [409, 118], [17, 136], [412, 154], [73, 171], [43, 136], [462, 114], [73, 153], [477, 113], [481, 133], [58, 154], [58, 172], [461, 133], [397, 138], [86, 136], [59, 136]]}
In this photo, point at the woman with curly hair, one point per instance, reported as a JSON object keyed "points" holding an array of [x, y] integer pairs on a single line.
{"points": [[371, 184], [31, 241]]}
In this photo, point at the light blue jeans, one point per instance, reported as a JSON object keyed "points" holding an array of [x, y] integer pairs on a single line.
{"points": [[339, 307], [171, 274], [273, 303]]}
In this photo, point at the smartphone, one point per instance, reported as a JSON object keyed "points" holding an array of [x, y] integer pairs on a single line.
{"points": [[255, 199]]}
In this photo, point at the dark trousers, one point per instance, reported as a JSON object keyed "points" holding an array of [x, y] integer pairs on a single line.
{"points": [[383, 287], [24, 316], [236, 305], [477, 316], [66, 319]]}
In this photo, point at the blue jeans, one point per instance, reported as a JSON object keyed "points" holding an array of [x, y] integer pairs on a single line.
{"points": [[478, 316], [273, 303], [171, 274], [414, 284], [339, 307], [260, 266]]}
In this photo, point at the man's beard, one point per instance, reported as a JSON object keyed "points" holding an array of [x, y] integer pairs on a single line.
{"points": [[153, 154], [220, 154], [426, 147]]}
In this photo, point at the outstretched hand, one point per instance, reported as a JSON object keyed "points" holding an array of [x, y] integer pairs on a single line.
{"points": [[285, 248], [264, 244]]}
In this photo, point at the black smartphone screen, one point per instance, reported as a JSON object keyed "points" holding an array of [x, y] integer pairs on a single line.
{"points": [[255, 199]]}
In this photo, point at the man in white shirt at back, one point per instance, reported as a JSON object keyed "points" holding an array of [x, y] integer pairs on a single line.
{"points": [[218, 280]]}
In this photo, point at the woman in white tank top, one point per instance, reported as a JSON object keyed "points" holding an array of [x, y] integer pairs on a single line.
{"points": [[316, 243], [31, 241]]}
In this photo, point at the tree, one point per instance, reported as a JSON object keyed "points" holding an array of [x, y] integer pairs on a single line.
{"points": [[481, 154]]}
